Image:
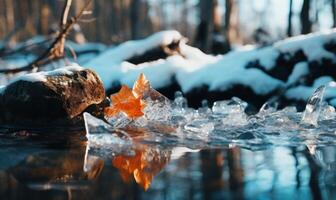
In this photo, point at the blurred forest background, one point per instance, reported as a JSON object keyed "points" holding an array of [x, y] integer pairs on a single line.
{"points": [[215, 26]]}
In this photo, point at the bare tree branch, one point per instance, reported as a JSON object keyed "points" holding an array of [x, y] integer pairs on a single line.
{"points": [[56, 49]]}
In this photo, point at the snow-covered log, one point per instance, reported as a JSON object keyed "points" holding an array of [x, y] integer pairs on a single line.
{"points": [[291, 69]]}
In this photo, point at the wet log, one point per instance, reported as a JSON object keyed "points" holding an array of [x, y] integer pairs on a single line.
{"points": [[55, 97]]}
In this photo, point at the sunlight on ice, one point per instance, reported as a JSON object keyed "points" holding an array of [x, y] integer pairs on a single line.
{"points": [[103, 135], [225, 123]]}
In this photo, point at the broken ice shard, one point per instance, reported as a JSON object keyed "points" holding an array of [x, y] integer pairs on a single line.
{"points": [[313, 107], [103, 135], [327, 112], [118, 121], [204, 110], [234, 105], [267, 108], [180, 104], [231, 111], [158, 107]]}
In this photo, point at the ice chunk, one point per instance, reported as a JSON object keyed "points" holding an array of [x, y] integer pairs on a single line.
{"points": [[158, 110], [118, 121], [180, 103], [200, 126], [231, 111], [158, 107], [204, 110], [102, 135], [235, 119], [234, 105], [181, 113], [313, 107], [327, 112], [267, 108]]}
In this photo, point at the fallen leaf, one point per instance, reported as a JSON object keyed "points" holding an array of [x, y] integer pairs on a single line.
{"points": [[129, 101], [125, 101]]}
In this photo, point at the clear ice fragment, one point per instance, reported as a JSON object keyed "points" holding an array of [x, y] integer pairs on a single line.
{"points": [[313, 107], [102, 135], [118, 121], [158, 107], [234, 105], [204, 110], [235, 119], [267, 108], [327, 112], [180, 103]]}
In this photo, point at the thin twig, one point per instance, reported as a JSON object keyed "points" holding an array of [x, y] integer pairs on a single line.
{"points": [[65, 13], [56, 49], [60, 50]]}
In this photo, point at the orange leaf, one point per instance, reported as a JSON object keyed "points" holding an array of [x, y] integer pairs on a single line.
{"points": [[141, 86], [123, 96], [125, 101], [129, 101], [132, 108]]}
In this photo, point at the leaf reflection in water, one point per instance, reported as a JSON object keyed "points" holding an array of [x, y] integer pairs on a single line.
{"points": [[143, 165]]}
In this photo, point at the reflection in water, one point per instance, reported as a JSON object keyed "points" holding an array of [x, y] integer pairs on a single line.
{"points": [[55, 170], [149, 172], [143, 166]]}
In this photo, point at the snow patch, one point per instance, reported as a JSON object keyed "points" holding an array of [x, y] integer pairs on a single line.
{"points": [[299, 70], [304, 92], [110, 64], [42, 76], [311, 44]]}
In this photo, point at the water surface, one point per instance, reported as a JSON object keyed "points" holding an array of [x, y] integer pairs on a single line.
{"points": [[61, 167]]}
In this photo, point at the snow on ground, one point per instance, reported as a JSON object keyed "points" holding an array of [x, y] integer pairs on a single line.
{"points": [[304, 92], [300, 69], [195, 68], [191, 70], [311, 44], [110, 66], [226, 72]]}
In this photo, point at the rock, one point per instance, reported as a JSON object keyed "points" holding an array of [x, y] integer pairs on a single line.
{"points": [[55, 97]]}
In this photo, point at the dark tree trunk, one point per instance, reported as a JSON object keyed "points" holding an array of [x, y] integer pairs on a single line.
{"points": [[135, 4], [206, 26], [228, 12], [290, 14], [333, 9], [306, 24]]}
